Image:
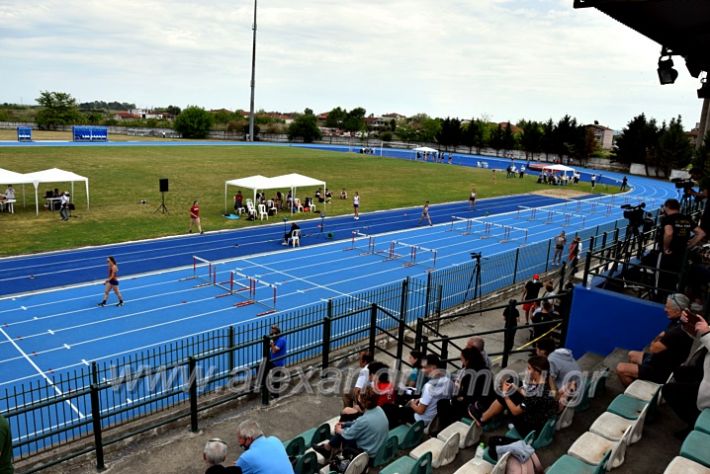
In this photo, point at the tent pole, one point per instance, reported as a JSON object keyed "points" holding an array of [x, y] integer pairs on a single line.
{"points": [[87, 193], [225, 197], [36, 185]]}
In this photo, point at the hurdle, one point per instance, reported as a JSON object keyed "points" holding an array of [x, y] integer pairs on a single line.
{"points": [[199, 265], [411, 254], [532, 211], [249, 289], [468, 225], [507, 231], [550, 213], [360, 236]]}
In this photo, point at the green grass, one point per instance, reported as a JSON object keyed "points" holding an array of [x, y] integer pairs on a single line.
{"points": [[121, 177]]}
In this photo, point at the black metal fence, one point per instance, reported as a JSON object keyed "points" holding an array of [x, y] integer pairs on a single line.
{"points": [[170, 378]]}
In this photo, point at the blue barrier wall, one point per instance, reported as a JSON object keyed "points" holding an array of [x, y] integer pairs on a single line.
{"points": [[601, 321], [24, 134]]}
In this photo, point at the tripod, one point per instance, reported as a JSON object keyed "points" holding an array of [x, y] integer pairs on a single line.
{"points": [[632, 235], [162, 208], [475, 280]]}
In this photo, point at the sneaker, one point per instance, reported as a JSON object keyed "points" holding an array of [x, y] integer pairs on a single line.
{"points": [[284, 243], [103, 303], [119, 304], [202, 232]]}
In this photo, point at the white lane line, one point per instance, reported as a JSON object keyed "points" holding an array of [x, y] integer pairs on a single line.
{"points": [[40, 372]]}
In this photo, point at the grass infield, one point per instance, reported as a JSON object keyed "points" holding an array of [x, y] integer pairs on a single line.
{"points": [[121, 177]]}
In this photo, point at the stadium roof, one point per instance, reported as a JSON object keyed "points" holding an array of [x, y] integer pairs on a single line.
{"points": [[683, 26]]}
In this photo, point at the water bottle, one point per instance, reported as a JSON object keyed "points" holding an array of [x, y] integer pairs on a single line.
{"points": [[479, 452]]}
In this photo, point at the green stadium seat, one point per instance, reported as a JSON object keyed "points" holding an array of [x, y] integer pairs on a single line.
{"points": [[408, 436], [307, 464], [386, 453], [316, 435], [681, 465], [571, 465], [612, 426], [626, 406], [295, 447], [408, 465], [695, 447], [546, 436], [703, 421], [592, 449], [643, 390]]}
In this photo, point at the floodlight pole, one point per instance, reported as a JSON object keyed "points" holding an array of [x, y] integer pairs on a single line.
{"points": [[253, 80]]}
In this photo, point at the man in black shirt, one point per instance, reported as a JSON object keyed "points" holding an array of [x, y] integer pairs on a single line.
{"points": [[531, 291], [672, 245]]}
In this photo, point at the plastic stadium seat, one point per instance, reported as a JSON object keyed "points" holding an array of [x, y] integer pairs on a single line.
{"points": [[295, 239], [592, 448], [358, 465], [386, 453], [262, 212], [408, 436], [332, 422], [612, 426], [695, 447], [546, 436], [569, 464], [626, 406], [315, 436], [703, 421], [681, 465], [643, 390], [307, 464], [565, 419], [528, 440], [442, 452], [408, 465], [479, 466], [468, 434], [295, 447]]}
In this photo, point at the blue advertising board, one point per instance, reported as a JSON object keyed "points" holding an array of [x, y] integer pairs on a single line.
{"points": [[24, 134], [82, 133]]}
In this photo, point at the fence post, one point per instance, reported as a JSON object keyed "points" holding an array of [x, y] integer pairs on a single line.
{"points": [[562, 277], [445, 350], [192, 368], [428, 294], [425, 344], [515, 265], [587, 265], [547, 259], [326, 343], [94, 372], [373, 329], [230, 335], [96, 421], [440, 297], [405, 297], [265, 367], [418, 335]]}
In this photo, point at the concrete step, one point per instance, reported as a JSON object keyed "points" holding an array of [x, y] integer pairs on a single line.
{"points": [[590, 361]]}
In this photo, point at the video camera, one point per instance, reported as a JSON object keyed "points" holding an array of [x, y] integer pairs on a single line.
{"points": [[475, 255], [686, 184], [634, 214]]}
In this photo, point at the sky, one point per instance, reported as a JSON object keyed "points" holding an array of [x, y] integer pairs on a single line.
{"points": [[495, 59]]}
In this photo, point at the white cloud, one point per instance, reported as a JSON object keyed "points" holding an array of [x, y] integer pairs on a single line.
{"points": [[533, 59]]}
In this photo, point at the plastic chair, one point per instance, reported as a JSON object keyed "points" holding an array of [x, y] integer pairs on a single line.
{"points": [[262, 212], [408, 465], [613, 426], [626, 406], [408, 436], [695, 448], [546, 436], [567, 464], [681, 465], [469, 434], [295, 239], [316, 435], [307, 464], [358, 465], [643, 390], [565, 419], [703, 421], [295, 447], [442, 452], [591, 448]]}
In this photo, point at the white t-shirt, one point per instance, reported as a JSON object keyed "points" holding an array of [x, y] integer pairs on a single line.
{"points": [[356, 200], [10, 193], [433, 391], [363, 378]]}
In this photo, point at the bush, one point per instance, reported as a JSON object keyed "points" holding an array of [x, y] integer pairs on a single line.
{"points": [[193, 122]]}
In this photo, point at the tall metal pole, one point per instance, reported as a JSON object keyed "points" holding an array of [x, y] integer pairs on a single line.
{"points": [[253, 81]]}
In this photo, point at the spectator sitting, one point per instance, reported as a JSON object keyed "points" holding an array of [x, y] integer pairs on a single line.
{"points": [[565, 374], [438, 387], [415, 361], [319, 196], [380, 379], [271, 207], [328, 196], [289, 235], [343, 194], [214, 454], [530, 405], [308, 204], [279, 199], [368, 433], [262, 454], [473, 385], [479, 343], [361, 382], [668, 350]]}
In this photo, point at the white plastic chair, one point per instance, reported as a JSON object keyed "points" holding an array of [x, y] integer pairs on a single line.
{"points": [[481, 466], [262, 213], [680, 465], [442, 452], [643, 390], [295, 239], [612, 426], [468, 434], [591, 448], [297, 204], [250, 209]]}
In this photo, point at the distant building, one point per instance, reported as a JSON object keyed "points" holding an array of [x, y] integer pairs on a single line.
{"points": [[126, 116], [603, 135]]}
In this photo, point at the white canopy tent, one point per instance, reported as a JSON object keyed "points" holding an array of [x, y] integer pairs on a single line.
{"points": [[425, 149], [8, 177], [261, 183], [55, 175], [562, 168]]}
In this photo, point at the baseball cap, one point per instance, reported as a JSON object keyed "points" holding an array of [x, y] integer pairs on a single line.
{"points": [[536, 277]]}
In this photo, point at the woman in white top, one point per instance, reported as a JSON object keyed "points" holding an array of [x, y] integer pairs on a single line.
{"points": [[356, 205], [472, 199]]}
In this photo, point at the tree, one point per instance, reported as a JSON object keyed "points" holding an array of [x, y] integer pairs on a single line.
{"points": [[193, 122], [450, 133], [637, 142], [496, 139], [674, 147], [58, 109], [531, 138], [305, 127], [701, 160], [355, 120], [548, 138], [336, 118], [173, 110], [508, 139]]}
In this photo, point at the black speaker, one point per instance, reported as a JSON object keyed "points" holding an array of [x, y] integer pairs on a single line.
{"points": [[163, 185]]}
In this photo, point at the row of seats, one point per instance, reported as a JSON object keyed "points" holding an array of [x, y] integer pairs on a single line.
{"points": [[694, 455]]}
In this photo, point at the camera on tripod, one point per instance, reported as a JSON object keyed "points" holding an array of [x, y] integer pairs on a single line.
{"points": [[475, 255], [683, 184], [634, 214]]}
